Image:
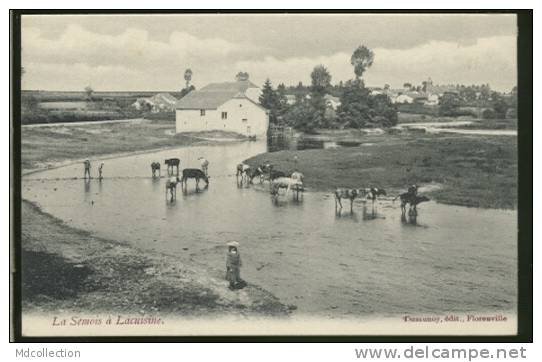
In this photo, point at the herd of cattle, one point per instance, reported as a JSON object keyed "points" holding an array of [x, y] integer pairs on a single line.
{"points": [[277, 180]]}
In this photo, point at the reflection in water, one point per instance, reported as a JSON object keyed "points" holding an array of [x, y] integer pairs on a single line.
{"points": [[369, 215], [242, 182], [87, 185], [410, 218], [278, 142], [350, 215], [187, 191], [366, 263], [155, 183], [284, 201]]}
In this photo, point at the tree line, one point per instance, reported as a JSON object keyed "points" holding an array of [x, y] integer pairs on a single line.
{"points": [[357, 109]]}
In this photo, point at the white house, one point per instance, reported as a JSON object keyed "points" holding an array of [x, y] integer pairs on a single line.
{"points": [[228, 106], [332, 102], [404, 98], [161, 102], [432, 100], [291, 99]]}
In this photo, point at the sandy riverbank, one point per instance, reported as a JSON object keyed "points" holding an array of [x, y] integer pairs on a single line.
{"points": [[68, 270]]}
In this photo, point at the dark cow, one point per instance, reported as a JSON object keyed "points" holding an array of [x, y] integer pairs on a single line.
{"points": [[276, 174], [194, 173], [413, 200], [155, 166], [374, 192], [252, 173], [171, 163]]}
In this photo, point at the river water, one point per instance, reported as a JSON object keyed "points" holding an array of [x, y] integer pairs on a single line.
{"points": [[455, 127], [455, 259]]}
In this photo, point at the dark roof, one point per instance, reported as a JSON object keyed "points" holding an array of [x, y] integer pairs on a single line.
{"points": [[213, 95]]}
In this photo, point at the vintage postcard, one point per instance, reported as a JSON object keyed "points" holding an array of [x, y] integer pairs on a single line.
{"points": [[271, 174]]}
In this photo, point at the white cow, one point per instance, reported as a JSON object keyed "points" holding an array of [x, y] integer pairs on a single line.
{"points": [[295, 182]]}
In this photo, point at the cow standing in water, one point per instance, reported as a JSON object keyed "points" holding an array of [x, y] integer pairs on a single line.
{"points": [[373, 192], [242, 170], [349, 194], [413, 200], [194, 173], [294, 182], [155, 166], [171, 163], [171, 186], [87, 169], [251, 173]]}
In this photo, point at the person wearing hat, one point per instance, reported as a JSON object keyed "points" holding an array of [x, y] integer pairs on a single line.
{"points": [[233, 265]]}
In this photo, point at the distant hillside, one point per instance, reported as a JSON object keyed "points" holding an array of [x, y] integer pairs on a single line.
{"points": [[47, 96]]}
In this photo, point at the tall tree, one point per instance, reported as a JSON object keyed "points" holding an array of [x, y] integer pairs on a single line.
{"points": [[269, 99], [241, 76], [320, 83], [449, 104], [320, 79], [88, 92], [362, 59], [187, 90], [499, 105], [281, 96], [354, 111], [187, 77]]}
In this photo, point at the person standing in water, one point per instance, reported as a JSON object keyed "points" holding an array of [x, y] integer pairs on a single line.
{"points": [[100, 171], [87, 168], [204, 165], [233, 266], [413, 190]]}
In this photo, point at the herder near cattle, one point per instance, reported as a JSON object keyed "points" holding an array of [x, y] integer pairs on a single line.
{"points": [[204, 165], [413, 190], [233, 266], [100, 169], [87, 168]]}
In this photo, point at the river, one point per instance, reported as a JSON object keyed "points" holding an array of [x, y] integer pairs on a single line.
{"points": [[455, 127], [455, 259]]}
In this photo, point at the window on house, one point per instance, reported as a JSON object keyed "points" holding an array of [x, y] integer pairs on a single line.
{"points": [[202, 112], [224, 115], [245, 120]]}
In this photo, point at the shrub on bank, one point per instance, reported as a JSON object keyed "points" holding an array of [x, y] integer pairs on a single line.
{"points": [[43, 116], [160, 116]]}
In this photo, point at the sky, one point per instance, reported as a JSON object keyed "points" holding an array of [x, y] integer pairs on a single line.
{"points": [[151, 52]]}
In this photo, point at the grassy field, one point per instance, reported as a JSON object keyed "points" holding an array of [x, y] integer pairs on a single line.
{"points": [[42, 146], [471, 170]]}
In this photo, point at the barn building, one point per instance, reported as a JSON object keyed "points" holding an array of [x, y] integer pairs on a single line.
{"points": [[228, 106]]}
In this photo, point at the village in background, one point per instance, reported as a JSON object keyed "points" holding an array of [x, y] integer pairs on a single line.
{"points": [[304, 107]]}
